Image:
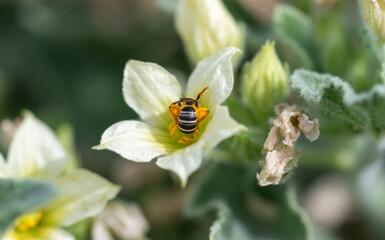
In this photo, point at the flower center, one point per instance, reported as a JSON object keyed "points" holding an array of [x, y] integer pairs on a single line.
{"points": [[28, 220]]}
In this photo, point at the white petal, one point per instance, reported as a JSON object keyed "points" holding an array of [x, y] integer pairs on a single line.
{"points": [[39, 233], [183, 162], [2, 166], [216, 73], [100, 231], [220, 127], [59, 234], [149, 89], [35, 151], [124, 220], [8, 236], [137, 141], [82, 194]]}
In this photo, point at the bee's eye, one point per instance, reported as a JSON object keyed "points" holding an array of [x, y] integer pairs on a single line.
{"points": [[179, 104]]}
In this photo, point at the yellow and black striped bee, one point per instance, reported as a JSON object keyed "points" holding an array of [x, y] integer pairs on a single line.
{"points": [[187, 114]]}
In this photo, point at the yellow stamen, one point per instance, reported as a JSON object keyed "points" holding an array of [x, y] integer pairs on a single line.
{"points": [[28, 221]]}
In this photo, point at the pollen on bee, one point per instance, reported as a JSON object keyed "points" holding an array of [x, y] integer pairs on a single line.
{"points": [[187, 115]]}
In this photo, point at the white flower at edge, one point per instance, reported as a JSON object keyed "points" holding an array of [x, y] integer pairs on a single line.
{"points": [[205, 27], [124, 220], [35, 152], [149, 89]]}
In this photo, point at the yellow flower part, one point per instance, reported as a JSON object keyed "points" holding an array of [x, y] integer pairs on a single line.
{"points": [[35, 152], [205, 27], [28, 221]]}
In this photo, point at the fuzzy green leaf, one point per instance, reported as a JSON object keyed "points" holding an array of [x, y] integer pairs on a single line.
{"points": [[20, 196], [215, 194], [227, 226], [337, 98], [294, 28], [294, 218], [231, 198], [370, 183]]}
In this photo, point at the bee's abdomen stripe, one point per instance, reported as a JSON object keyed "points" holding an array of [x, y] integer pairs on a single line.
{"points": [[187, 126], [187, 120], [188, 117], [187, 114], [186, 130], [184, 122]]}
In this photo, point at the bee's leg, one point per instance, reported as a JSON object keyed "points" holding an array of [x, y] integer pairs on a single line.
{"points": [[172, 128], [197, 130], [188, 140], [185, 140]]}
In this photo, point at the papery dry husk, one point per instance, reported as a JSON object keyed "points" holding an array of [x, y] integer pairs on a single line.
{"points": [[285, 131]]}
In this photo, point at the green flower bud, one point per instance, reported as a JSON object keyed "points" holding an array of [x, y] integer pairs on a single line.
{"points": [[205, 27], [373, 12], [265, 80]]}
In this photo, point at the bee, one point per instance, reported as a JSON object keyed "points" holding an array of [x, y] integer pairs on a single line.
{"points": [[187, 114]]}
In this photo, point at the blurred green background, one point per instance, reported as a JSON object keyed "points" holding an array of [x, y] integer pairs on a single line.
{"points": [[64, 60]]}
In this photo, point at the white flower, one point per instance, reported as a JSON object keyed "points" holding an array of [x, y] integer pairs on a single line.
{"points": [[121, 219], [149, 90], [205, 27], [36, 153]]}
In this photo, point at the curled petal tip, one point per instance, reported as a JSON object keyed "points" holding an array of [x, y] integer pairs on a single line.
{"points": [[98, 147]]}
